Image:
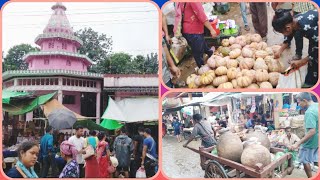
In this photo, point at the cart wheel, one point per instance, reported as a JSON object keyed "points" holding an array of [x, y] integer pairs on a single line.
{"points": [[214, 170]]}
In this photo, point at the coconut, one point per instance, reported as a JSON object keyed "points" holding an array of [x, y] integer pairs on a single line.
{"points": [[230, 146]]}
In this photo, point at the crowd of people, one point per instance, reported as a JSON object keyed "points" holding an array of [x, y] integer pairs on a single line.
{"points": [[292, 19], [95, 156]]}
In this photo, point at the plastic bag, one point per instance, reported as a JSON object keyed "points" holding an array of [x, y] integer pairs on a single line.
{"points": [[295, 79], [141, 173], [208, 9], [89, 152], [250, 141], [179, 47]]}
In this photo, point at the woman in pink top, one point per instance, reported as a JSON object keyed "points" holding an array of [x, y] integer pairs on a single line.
{"points": [[193, 23]]}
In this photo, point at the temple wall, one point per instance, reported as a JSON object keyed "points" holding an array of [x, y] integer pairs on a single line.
{"points": [[56, 63], [76, 107], [57, 45], [130, 81]]}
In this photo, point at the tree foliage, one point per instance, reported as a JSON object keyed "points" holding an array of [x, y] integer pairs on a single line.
{"points": [[123, 63], [95, 45], [14, 61]]}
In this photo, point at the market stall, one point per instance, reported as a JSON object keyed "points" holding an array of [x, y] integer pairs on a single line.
{"points": [[132, 113]]}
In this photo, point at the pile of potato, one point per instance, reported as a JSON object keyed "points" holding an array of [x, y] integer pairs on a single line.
{"points": [[241, 62]]}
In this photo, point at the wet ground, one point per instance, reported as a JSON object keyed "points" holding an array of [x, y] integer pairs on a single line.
{"points": [[179, 162], [187, 65]]}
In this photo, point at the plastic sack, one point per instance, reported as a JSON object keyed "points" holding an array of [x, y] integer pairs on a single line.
{"points": [[141, 173], [214, 152], [295, 79], [179, 46], [278, 156], [208, 9], [250, 141], [293, 153]]}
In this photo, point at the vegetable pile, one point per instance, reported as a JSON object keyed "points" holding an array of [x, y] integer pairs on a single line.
{"points": [[241, 62]]}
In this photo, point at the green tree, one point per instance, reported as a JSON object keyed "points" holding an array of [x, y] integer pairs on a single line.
{"points": [[151, 64], [123, 63], [14, 61], [95, 45], [116, 63], [138, 65]]}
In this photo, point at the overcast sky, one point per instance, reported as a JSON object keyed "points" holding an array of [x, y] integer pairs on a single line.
{"points": [[133, 26]]}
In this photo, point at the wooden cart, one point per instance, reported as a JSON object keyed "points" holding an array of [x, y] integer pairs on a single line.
{"points": [[218, 167]]}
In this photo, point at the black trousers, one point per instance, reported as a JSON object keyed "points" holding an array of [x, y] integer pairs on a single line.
{"points": [[82, 170], [198, 46]]}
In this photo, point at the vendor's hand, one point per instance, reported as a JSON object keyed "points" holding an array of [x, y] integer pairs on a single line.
{"points": [[294, 147], [295, 64], [277, 55], [213, 33], [175, 71], [168, 39]]}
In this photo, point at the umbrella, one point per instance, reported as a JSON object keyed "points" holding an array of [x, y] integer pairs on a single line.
{"points": [[61, 119], [89, 124]]}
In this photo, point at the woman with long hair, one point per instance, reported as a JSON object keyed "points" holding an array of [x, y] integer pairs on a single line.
{"points": [[28, 155], [103, 156], [69, 153]]}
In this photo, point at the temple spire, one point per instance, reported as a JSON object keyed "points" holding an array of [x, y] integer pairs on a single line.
{"points": [[58, 5], [58, 22]]}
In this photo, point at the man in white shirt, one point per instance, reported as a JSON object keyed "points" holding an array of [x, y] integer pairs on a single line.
{"points": [[288, 139], [79, 142], [212, 119]]}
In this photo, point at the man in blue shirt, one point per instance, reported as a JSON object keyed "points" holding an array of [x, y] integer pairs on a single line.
{"points": [[251, 122], [47, 154], [176, 126], [149, 154]]}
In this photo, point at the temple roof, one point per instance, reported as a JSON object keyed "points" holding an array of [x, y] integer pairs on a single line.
{"points": [[58, 21], [70, 37], [58, 25], [54, 53], [49, 72], [58, 5]]}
